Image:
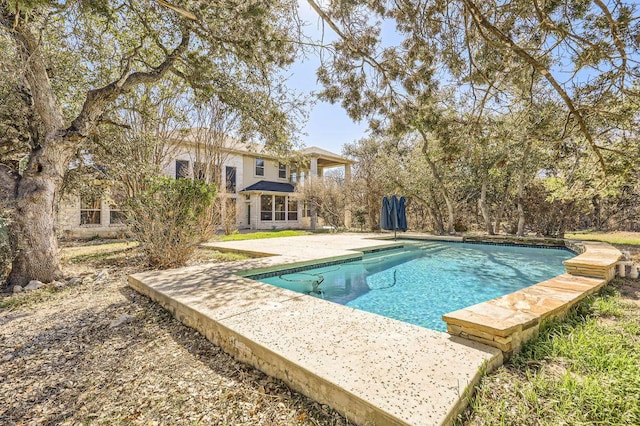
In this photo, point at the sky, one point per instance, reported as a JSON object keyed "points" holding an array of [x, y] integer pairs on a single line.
{"points": [[328, 126]]}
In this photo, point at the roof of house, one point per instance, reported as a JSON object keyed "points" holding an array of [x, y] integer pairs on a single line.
{"points": [[197, 135], [331, 158], [265, 185]]}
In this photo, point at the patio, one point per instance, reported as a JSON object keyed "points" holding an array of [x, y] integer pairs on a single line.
{"points": [[373, 369]]}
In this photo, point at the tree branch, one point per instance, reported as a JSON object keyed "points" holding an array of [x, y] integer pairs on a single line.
{"points": [[482, 21], [97, 98], [363, 55], [44, 99], [183, 12], [613, 26]]}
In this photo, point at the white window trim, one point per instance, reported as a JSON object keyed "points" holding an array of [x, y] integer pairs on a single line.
{"points": [[255, 167], [273, 210], [286, 174], [99, 210]]}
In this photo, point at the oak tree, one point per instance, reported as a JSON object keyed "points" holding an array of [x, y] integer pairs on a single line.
{"points": [[66, 63]]}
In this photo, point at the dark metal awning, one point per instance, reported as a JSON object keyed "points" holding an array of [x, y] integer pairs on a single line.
{"points": [[268, 186]]}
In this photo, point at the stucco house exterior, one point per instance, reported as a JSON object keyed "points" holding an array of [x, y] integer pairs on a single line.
{"points": [[259, 187]]}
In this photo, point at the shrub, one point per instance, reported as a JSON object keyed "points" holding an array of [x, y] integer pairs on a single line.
{"points": [[167, 219]]}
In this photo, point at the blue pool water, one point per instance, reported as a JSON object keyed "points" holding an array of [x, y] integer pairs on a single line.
{"points": [[424, 280]]}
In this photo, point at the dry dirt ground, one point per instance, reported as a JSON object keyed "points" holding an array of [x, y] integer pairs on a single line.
{"points": [[97, 352]]}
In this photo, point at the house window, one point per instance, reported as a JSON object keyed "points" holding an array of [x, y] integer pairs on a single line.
{"points": [[282, 171], [292, 209], [182, 169], [306, 209], [266, 207], [259, 166], [230, 174], [293, 177], [89, 210], [280, 207]]}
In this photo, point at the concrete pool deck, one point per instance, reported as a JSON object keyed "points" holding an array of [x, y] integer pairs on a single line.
{"points": [[374, 370]]}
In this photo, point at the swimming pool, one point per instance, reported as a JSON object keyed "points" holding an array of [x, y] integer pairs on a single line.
{"points": [[423, 280]]}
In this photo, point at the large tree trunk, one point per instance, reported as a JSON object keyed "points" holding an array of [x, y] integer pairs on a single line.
{"points": [[32, 229], [596, 221], [450, 212]]}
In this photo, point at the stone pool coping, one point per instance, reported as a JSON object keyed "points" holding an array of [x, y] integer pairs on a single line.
{"points": [[510, 320], [372, 369]]}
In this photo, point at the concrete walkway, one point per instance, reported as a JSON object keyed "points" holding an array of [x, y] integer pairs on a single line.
{"points": [[374, 370]]}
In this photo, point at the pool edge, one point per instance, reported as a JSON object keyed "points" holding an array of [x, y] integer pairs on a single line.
{"points": [[509, 321]]}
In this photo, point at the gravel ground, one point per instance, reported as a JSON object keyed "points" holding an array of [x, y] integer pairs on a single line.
{"points": [[97, 352]]}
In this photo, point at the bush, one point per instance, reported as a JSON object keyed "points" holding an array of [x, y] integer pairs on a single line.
{"points": [[167, 219]]}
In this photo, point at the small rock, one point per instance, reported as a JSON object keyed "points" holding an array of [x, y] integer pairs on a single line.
{"points": [[33, 285], [122, 320], [17, 288], [103, 275], [7, 358], [75, 280], [59, 285]]}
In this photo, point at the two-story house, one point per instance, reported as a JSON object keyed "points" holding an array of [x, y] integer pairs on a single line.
{"points": [[260, 188]]}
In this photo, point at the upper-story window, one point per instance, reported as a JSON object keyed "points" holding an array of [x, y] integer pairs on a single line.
{"points": [[282, 171], [182, 169], [230, 173], [259, 166]]}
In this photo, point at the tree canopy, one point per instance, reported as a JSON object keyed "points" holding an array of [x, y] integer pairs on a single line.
{"points": [[504, 99], [494, 54], [67, 64]]}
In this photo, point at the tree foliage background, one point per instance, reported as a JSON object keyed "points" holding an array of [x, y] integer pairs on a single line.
{"points": [[513, 105]]}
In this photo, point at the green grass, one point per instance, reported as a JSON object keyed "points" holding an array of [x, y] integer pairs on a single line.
{"points": [[627, 238], [582, 370], [262, 235]]}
